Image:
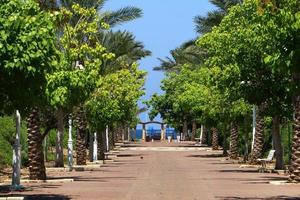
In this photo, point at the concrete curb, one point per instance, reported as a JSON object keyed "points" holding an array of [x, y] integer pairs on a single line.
{"points": [[282, 183], [11, 198], [57, 169], [81, 168], [66, 180]]}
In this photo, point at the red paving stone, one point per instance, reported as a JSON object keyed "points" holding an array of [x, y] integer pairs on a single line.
{"points": [[165, 175]]}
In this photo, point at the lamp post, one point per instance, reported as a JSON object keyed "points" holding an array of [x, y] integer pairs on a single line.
{"points": [[253, 126], [16, 176], [107, 139], [201, 135], [70, 145], [95, 148]]}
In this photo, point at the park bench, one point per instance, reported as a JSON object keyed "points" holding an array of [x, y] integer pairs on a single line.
{"points": [[264, 161]]}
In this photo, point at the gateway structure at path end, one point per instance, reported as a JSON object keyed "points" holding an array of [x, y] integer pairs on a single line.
{"points": [[162, 132]]}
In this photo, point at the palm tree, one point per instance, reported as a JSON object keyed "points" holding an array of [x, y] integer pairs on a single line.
{"points": [[188, 52], [204, 24], [35, 154], [126, 49], [113, 18], [234, 141], [215, 139]]}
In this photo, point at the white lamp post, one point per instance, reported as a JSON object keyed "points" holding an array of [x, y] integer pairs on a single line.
{"points": [[70, 145], [16, 176], [253, 126], [107, 139], [95, 148]]}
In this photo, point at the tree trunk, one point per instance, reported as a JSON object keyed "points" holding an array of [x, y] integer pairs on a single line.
{"points": [[215, 138], [134, 134], [194, 129], [91, 146], [101, 145], [295, 164], [37, 169], [204, 135], [256, 152], [125, 132], [112, 138], [277, 143], [118, 133], [185, 129], [81, 137], [59, 158], [234, 141]]}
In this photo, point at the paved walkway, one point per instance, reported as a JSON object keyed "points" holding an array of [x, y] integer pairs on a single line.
{"points": [[166, 172]]}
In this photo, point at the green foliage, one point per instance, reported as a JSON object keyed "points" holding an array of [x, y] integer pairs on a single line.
{"points": [[26, 52], [81, 57], [115, 99], [7, 139]]}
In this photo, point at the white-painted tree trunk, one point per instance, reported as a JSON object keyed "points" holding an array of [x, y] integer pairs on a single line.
{"points": [[16, 176]]}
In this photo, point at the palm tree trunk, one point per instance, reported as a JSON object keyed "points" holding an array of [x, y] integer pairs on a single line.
{"points": [[37, 169], [277, 143], [215, 138], [256, 152], [185, 129], [91, 145], [204, 135], [112, 137], [101, 145], [234, 141], [81, 137], [295, 164], [59, 158], [194, 129]]}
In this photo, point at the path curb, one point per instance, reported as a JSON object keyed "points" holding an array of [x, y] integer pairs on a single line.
{"points": [[11, 198]]}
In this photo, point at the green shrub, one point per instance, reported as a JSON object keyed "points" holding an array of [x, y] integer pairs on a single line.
{"points": [[7, 138]]}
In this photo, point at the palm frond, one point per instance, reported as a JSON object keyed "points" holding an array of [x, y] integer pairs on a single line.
{"points": [[205, 24], [122, 15], [125, 47], [141, 110]]}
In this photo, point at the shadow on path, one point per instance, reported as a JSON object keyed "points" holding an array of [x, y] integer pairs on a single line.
{"points": [[206, 156], [256, 198]]}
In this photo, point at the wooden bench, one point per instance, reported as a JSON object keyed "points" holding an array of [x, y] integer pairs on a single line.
{"points": [[264, 161]]}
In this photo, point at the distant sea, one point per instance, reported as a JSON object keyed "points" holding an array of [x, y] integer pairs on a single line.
{"points": [[154, 132]]}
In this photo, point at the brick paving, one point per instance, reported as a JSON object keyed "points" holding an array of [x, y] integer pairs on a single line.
{"points": [[153, 171]]}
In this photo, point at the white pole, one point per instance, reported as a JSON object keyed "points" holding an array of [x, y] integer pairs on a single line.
{"points": [[201, 134], [70, 145], [253, 126], [107, 139], [129, 134], [95, 148], [17, 156]]}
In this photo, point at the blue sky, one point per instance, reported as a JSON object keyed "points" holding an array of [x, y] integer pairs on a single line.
{"points": [[164, 26]]}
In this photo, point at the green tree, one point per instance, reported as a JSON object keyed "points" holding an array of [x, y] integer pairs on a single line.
{"points": [[77, 72], [27, 53], [245, 44]]}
